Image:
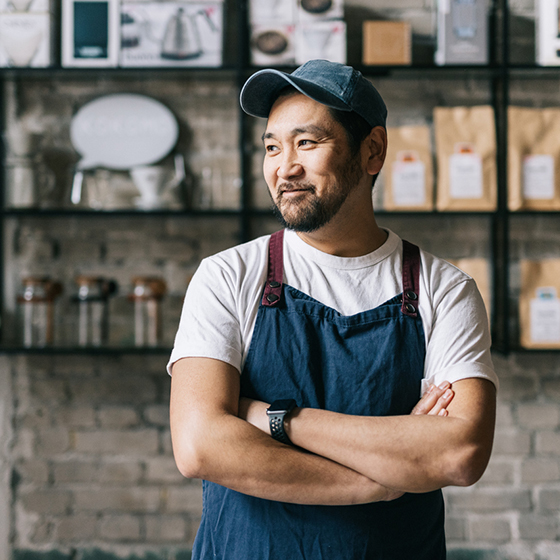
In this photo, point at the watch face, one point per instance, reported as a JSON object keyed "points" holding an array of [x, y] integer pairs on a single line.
{"points": [[282, 405]]}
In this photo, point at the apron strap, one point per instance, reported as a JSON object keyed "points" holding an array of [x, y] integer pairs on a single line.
{"points": [[275, 276], [410, 279]]}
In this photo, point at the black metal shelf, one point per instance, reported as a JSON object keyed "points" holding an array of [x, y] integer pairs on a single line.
{"points": [[147, 72], [498, 74], [133, 213], [71, 350]]}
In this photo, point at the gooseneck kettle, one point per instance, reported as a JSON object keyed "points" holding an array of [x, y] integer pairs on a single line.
{"points": [[181, 40]]}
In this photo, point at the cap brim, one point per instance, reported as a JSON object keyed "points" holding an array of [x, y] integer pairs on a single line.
{"points": [[261, 91]]}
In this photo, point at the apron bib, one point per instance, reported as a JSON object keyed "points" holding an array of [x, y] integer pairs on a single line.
{"points": [[368, 364]]}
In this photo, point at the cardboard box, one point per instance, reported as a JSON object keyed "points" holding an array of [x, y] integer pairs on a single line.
{"points": [[548, 33], [172, 34], [25, 6], [273, 45], [462, 33], [387, 43], [25, 40], [321, 39], [315, 10], [278, 11]]}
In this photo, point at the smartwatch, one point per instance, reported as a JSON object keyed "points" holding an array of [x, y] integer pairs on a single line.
{"points": [[276, 413]]}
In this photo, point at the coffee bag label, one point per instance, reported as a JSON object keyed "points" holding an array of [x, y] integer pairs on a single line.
{"points": [[409, 180], [538, 177], [545, 316], [465, 174]]}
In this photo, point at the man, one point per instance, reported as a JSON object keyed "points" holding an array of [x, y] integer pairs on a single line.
{"points": [[300, 357]]}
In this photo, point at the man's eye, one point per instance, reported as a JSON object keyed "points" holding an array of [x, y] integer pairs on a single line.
{"points": [[270, 148], [306, 142]]}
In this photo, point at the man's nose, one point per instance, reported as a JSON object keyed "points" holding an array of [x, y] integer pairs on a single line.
{"points": [[290, 167]]}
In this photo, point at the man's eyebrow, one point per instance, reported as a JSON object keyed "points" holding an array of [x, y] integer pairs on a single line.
{"points": [[309, 129]]}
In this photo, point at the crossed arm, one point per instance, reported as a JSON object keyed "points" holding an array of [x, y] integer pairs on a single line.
{"points": [[339, 459]]}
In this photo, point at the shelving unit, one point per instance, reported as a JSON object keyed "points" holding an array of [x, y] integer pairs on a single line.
{"points": [[497, 75]]}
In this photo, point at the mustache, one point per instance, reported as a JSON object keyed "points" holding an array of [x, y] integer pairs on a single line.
{"points": [[295, 186]]}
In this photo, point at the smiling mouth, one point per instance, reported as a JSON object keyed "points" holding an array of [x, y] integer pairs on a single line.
{"points": [[294, 190]]}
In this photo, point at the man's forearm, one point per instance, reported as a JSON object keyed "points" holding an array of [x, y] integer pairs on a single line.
{"points": [[236, 455], [211, 442], [409, 453]]}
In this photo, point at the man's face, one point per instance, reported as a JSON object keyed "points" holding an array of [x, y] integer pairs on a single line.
{"points": [[308, 166]]}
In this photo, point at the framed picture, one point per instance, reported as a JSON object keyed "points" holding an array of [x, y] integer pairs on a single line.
{"points": [[90, 33]]}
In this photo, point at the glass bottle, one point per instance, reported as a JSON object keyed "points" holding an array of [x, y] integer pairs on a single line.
{"points": [[146, 294], [36, 303], [93, 317]]}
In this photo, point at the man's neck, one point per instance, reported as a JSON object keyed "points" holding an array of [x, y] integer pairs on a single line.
{"points": [[353, 238]]}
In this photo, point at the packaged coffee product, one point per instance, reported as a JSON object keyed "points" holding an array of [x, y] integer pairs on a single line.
{"points": [[539, 304], [466, 158], [387, 43], [533, 158], [479, 270], [408, 170]]}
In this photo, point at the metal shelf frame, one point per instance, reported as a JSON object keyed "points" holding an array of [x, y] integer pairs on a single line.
{"points": [[498, 73]]}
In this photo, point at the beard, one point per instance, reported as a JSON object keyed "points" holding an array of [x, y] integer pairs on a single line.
{"points": [[313, 212]]}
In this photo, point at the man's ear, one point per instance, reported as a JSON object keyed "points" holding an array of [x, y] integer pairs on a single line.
{"points": [[376, 149]]}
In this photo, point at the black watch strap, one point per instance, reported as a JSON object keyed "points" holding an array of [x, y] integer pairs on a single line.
{"points": [[276, 413]]}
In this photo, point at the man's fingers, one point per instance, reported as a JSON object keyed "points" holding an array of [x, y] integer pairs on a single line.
{"points": [[442, 402], [435, 399]]}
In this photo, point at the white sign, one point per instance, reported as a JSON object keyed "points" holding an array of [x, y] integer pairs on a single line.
{"points": [[545, 316], [465, 175], [409, 183], [122, 131], [538, 177]]}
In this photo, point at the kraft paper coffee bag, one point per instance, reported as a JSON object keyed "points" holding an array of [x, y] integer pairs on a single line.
{"points": [[479, 270], [533, 159], [466, 158], [539, 304], [408, 172]]}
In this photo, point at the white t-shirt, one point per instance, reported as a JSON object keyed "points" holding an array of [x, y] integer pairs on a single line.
{"points": [[223, 297]]}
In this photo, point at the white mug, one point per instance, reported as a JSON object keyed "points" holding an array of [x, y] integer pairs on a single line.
{"points": [[150, 180]]}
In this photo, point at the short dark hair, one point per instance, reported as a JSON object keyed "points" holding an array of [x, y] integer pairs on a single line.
{"points": [[356, 127]]}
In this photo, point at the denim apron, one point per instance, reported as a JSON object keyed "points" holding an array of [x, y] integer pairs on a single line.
{"points": [[368, 364]]}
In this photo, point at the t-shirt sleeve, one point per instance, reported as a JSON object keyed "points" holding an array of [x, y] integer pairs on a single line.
{"points": [[459, 342], [209, 325]]}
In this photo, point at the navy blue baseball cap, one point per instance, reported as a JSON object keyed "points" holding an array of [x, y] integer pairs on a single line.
{"points": [[330, 83]]}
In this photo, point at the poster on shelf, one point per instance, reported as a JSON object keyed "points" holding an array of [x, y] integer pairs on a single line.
{"points": [[26, 40], [315, 10], [273, 45], [321, 39], [408, 171], [266, 11], [25, 6], [160, 34], [533, 158], [466, 158], [547, 27], [90, 33], [462, 32], [539, 304]]}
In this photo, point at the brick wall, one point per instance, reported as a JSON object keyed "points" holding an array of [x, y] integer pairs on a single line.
{"points": [[86, 470]]}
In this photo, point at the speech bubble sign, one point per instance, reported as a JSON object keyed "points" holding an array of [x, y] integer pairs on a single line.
{"points": [[121, 131]]}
